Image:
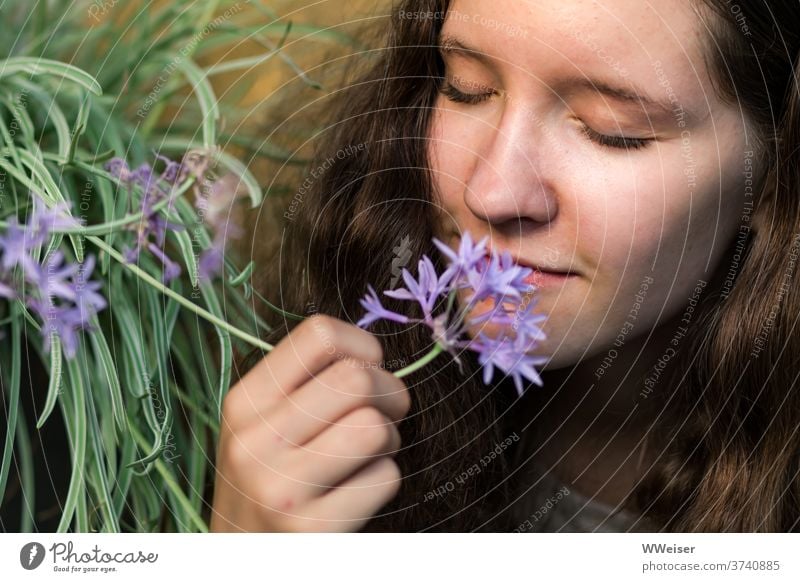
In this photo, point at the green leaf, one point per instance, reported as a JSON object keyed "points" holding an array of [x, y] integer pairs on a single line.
{"points": [[54, 386], [20, 113], [226, 351], [35, 66], [231, 163], [188, 254], [205, 96], [125, 475], [174, 488], [27, 475], [54, 113], [98, 471], [109, 373], [80, 126], [13, 406], [243, 276], [77, 419]]}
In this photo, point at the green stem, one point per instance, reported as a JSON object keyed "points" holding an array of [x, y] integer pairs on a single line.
{"points": [[172, 484], [430, 356], [180, 298], [109, 227], [155, 114], [277, 309], [427, 358]]}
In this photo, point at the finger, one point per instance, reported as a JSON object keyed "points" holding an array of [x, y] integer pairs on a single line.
{"points": [[343, 449], [349, 506], [316, 343], [338, 390]]}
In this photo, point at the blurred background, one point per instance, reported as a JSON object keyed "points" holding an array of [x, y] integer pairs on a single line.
{"points": [[85, 81]]}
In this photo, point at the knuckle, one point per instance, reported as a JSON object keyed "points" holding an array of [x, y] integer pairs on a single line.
{"points": [[391, 472], [350, 383], [231, 405], [324, 329], [277, 497], [404, 395], [237, 453], [397, 389], [373, 429], [357, 383], [373, 347]]}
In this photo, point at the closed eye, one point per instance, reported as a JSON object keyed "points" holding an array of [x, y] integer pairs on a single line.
{"points": [[609, 141], [457, 96], [616, 141]]}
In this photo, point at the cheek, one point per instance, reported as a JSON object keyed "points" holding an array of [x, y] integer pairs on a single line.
{"points": [[452, 146], [654, 231], [654, 214]]}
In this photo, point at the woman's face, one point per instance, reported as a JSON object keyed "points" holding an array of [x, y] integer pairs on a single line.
{"points": [[536, 158]]}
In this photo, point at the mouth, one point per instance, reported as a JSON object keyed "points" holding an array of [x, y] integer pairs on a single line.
{"points": [[543, 277]]}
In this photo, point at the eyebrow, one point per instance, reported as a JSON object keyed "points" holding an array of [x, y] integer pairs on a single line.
{"points": [[449, 44], [618, 93]]}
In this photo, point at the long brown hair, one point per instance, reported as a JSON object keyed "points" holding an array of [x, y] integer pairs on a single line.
{"points": [[735, 393], [732, 466]]}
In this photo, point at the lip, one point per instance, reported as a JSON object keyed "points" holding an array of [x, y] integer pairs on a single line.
{"points": [[542, 277]]}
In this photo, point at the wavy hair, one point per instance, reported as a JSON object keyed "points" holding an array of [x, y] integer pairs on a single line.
{"points": [[727, 443]]}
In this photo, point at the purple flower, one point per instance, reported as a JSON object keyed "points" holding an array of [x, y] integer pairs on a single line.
{"points": [[87, 300], [18, 243], [494, 277], [46, 219], [118, 168], [66, 300], [62, 297], [65, 322], [16, 246], [210, 262], [499, 277], [54, 278], [510, 356], [172, 169], [376, 311], [152, 226], [171, 268], [143, 176], [425, 291], [7, 290], [221, 195], [151, 230], [519, 318], [467, 258]]}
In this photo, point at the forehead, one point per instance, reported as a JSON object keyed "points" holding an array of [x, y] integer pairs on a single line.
{"points": [[641, 41]]}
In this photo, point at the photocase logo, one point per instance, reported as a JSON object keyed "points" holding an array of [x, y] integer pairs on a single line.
{"points": [[402, 254], [31, 555]]}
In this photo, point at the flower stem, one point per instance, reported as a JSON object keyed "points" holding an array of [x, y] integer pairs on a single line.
{"points": [[180, 298], [427, 358], [109, 227], [401, 373], [172, 484]]}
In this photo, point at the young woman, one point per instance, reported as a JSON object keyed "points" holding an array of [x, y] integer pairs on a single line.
{"points": [[645, 155]]}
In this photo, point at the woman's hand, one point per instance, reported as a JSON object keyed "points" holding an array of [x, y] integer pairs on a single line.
{"points": [[308, 436]]}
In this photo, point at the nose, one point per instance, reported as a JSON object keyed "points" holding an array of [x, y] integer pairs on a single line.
{"points": [[509, 182]]}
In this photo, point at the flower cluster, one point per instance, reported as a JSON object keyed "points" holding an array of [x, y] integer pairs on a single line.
{"points": [[214, 207], [63, 297], [483, 278], [151, 230]]}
